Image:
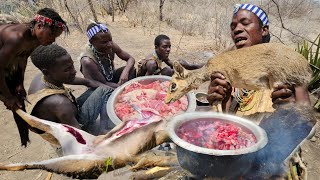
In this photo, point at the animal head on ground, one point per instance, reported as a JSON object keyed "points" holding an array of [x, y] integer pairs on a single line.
{"points": [[182, 82]]}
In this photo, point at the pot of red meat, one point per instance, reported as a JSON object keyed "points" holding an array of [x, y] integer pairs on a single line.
{"points": [[214, 144], [146, 94]]}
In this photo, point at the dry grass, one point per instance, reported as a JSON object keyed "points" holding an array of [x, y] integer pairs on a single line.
{"points": [[207, 18], [211, 19]]}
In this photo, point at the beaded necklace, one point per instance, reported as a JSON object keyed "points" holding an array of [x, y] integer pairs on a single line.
{"points": [[109, 75], [52, 86], [245, 98]]}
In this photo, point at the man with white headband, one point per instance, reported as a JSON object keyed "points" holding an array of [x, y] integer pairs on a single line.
{"points": [[250, 26], [97, 62]]}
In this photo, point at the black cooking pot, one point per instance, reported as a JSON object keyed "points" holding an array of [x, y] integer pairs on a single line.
{"points": [[203, 165]]}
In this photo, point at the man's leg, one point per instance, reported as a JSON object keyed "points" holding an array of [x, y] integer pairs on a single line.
{"points": [[91, 109], [167, 71], [84, 96], [152, 68]]}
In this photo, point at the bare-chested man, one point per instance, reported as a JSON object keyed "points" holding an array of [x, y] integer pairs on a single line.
{"points": [[17, 41], [97, 62], [152, 64], [52, 101]]}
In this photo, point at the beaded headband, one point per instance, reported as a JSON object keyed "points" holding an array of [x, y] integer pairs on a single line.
{"points": [[255, 10], [95, 29], [45, 20]]}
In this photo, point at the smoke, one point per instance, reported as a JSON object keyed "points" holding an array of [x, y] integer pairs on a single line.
{"points": [[286, 129]]}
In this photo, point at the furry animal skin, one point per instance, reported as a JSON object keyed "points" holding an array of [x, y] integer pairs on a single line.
{"points": [[257, 67], [84, 155]]}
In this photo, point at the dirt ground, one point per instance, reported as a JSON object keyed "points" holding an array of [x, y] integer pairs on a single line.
{"points": [[136, 41]]}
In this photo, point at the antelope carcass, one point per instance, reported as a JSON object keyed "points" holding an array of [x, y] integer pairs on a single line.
{"points": [[256, 67], [85, 155]]}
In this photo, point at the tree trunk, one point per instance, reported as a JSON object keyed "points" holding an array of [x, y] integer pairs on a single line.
{"points": [[160, 10], [93, 11], [112, 10], [72, 16]]}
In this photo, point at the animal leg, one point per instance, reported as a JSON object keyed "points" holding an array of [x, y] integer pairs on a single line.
{"points": [[72, 140], [76, 166], [33, 121], [155, 158], [154, 173], [161, 137]]}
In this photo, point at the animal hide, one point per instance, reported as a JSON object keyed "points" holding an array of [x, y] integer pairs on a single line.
{"points": [[257, 67], [123, 144]]}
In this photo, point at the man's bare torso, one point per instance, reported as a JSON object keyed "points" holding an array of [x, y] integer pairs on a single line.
{"points": [[47, 107], [11, 34]]}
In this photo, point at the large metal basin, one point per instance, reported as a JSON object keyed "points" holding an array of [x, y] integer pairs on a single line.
{"points": [[144, 80], [204, 162]]}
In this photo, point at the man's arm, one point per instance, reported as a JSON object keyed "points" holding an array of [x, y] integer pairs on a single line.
{"points": [[189, 66], [20, 90], [87, 82], [126, 57], [91, 71], [151, 66], [7, 53], [168, 62], [283, 94]]}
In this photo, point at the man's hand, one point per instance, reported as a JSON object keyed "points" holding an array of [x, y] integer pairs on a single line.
{"points": [[219, 89], [124, 77], [283, 94], [12, 103], [21, 92]]}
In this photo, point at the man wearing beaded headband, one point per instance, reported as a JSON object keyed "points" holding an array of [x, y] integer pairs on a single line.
{"points": [[17, 41], [97, 62], [250, 26]]}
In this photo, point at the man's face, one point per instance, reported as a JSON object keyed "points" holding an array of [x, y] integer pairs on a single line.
{"points": [[63, 71], [102, 41], [47, 35], [164, 49], [245, 29]]}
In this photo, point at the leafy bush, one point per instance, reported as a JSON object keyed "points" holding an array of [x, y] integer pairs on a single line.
{"points": [[311, 53]]}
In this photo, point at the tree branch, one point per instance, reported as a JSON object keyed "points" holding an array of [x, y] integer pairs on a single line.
{"points": [[282, 25], [277, 37]]}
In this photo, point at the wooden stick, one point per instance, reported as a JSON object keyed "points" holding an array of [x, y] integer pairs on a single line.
{"points": [[49, 176]]}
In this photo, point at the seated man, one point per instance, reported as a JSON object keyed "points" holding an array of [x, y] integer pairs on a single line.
{"points": [[51, 100], [152, 64], [97, 62]]}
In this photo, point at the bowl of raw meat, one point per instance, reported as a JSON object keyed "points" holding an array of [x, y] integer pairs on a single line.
{"points": [[214, 144], [143, 98]]}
